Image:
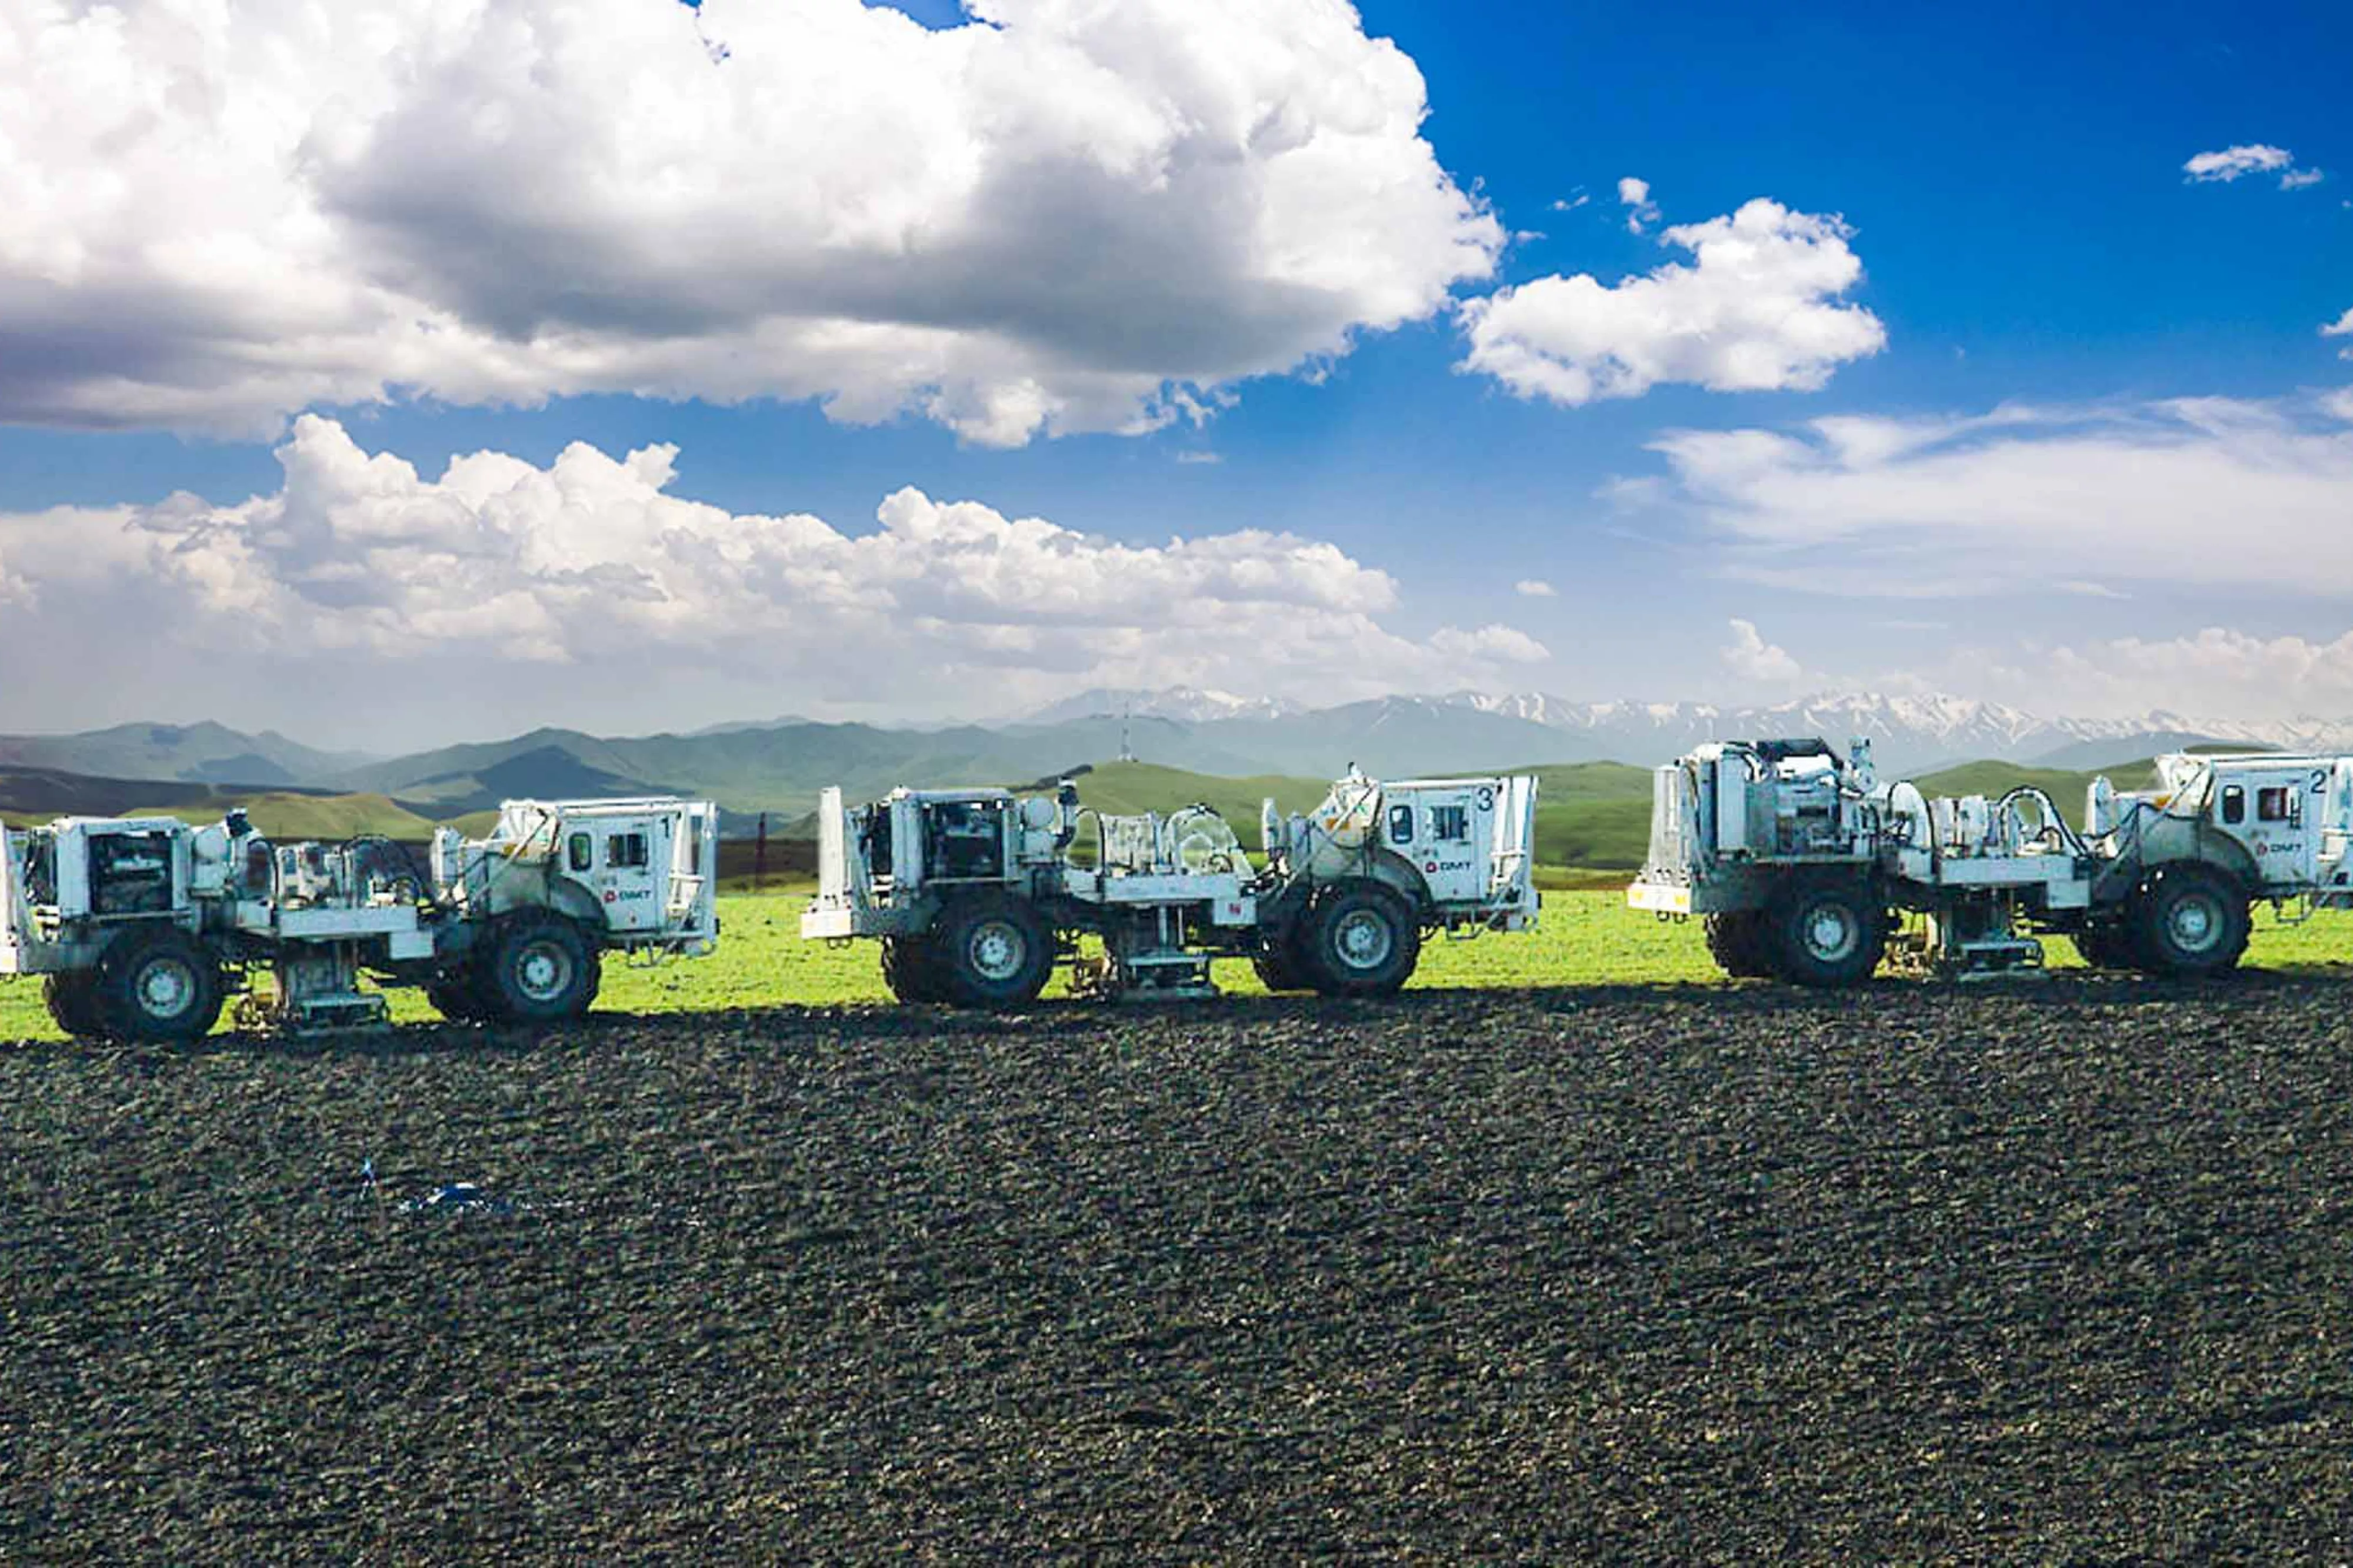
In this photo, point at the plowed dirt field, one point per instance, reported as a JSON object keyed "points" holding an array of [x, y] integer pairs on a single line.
{"points": [[2064, 1270]]}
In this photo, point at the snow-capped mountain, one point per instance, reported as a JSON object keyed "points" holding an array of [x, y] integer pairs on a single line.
{"points": [[1475, 730], [1906, 732], [1535, 707], [1184, 704]]}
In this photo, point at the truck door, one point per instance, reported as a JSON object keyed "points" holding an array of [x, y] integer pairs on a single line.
{"points": [[1456, 839], [2277, 814], [2336, 851], [632, 863], [689, 869]]}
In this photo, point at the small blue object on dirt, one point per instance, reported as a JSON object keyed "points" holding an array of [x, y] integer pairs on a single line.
{"points": [[458, 1197]]}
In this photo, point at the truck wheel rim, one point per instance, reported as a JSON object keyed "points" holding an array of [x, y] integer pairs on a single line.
{"points": [[166, 989], [1363, 940], [2193, 922], [998, 951], [1832, 932], [543, 972]]}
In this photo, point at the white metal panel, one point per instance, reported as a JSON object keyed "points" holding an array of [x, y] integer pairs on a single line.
{"points": [[832, 867], [14, 918], [1234, 912], [824, 920], [1512, 868], [1660, 898], [331, 924], [906, 846], [1731, 806], [1172, 888]]}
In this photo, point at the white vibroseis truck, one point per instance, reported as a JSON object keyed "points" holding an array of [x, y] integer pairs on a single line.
{"points": [[140, 928], [1805, 867], [976, 893]]}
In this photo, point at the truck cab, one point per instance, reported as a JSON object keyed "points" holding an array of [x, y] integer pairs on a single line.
{"points": [[67, 890], [1469, 843], [640, 873], [2276, 808]]}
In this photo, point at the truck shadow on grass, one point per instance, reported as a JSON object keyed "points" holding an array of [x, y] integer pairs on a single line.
{"points": [[1441, 1009]]}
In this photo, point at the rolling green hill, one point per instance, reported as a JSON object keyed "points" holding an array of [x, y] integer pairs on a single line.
{"points": [[332, 817], [1124, 788], [1592, 816], [34, 795], [195, 753], [2063, 786], [779, 768]]}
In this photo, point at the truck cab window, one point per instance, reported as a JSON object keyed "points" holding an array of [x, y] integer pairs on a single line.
{"points": [[131, 874], [966, 839], [2234, 804], [625, 852], [1449, 823], [1401, 824], [582, 852], [2271, 805]]}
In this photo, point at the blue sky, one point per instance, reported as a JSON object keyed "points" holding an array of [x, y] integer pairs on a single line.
{"points": [[2012, 187]]}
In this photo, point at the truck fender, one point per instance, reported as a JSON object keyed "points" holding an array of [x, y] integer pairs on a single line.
{"points": [[1403, 877], [2216, 850], [578, 904]]}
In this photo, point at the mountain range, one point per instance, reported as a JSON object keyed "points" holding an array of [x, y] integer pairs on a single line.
{"points": [[780, 766], [1908, 733]]}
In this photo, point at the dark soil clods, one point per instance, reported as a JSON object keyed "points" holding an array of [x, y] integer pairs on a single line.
{"points": [[2058, 1272]]}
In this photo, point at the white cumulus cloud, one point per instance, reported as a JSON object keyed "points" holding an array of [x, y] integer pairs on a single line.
{"points": [[1534, 588], [1489, 644], [2216, 671], [2255, 158], [2233, 162], [1757, 309], [616, 593], [2210, 492], [2340, 328], [1752, 658], [1634, 196], [1061, 217]]}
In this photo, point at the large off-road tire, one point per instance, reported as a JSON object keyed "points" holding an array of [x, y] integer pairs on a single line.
{"points": [[1737, 942], [2107, 947], [1278, 964], [73, 1004], [911, 968], [1360, 940], [457, 995], [994, 950], [2191, 919], [539, 969], [1825, 931], [160, 988]]}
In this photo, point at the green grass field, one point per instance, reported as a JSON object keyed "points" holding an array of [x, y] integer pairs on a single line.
{"points": [[1589, 937]]}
